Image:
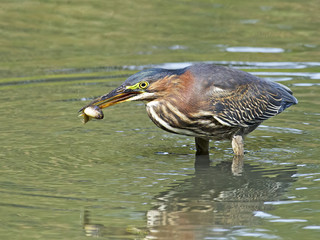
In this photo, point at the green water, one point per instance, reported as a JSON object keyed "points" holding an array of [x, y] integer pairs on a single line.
{"points": [[122, 177]]}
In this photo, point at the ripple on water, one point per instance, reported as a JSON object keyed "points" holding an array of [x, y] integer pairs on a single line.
{"points": [[258, 233], [284, 202], [309, 75], [288, 220], [281, 129], [265, 215], [304, 174], [242, 64], [312, 227], [255, 49], [306, 84]]}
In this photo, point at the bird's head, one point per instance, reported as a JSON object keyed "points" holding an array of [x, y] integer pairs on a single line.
{"points": [[146, 85]]}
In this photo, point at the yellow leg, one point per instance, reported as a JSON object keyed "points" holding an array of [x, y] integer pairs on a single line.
{"points": [[238, 145], [237, 165]]}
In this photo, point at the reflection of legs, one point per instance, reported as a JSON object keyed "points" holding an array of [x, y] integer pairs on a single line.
{"points": [[202, 161], [238, 145], [202, 146], [92, 230], [202, 154]]}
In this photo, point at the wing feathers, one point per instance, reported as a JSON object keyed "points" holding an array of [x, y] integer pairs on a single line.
{"points": [[252, 103]]}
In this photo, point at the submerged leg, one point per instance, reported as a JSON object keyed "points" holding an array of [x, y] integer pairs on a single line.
{"points": [[202, 146], [237, 165], [238, 145]]}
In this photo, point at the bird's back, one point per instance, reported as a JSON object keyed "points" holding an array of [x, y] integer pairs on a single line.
{"points": [[238, 98]]}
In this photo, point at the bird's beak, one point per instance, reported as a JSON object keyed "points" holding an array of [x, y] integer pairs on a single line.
{"points": [[118, 95]]}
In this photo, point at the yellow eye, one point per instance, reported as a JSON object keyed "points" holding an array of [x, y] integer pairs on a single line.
{"points": [[143, 85]]}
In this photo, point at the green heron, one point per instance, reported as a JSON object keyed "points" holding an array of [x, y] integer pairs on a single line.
{"points": [[203, 100]]}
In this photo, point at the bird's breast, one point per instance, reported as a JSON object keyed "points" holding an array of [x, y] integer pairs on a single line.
{"points": [[167, 117], [201, 124]]}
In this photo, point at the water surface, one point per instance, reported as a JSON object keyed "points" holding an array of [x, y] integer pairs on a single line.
{"points": [[122, 177]]}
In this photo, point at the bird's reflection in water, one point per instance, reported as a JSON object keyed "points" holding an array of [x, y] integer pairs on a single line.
{"points": [[222, 196], [91, 229]]}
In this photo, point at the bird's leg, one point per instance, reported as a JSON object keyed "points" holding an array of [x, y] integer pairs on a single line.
{"points": [[237, 165], [202, 146], [238, 145]]}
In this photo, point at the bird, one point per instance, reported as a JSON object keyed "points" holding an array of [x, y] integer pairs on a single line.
{"points": [[205, 101]]}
